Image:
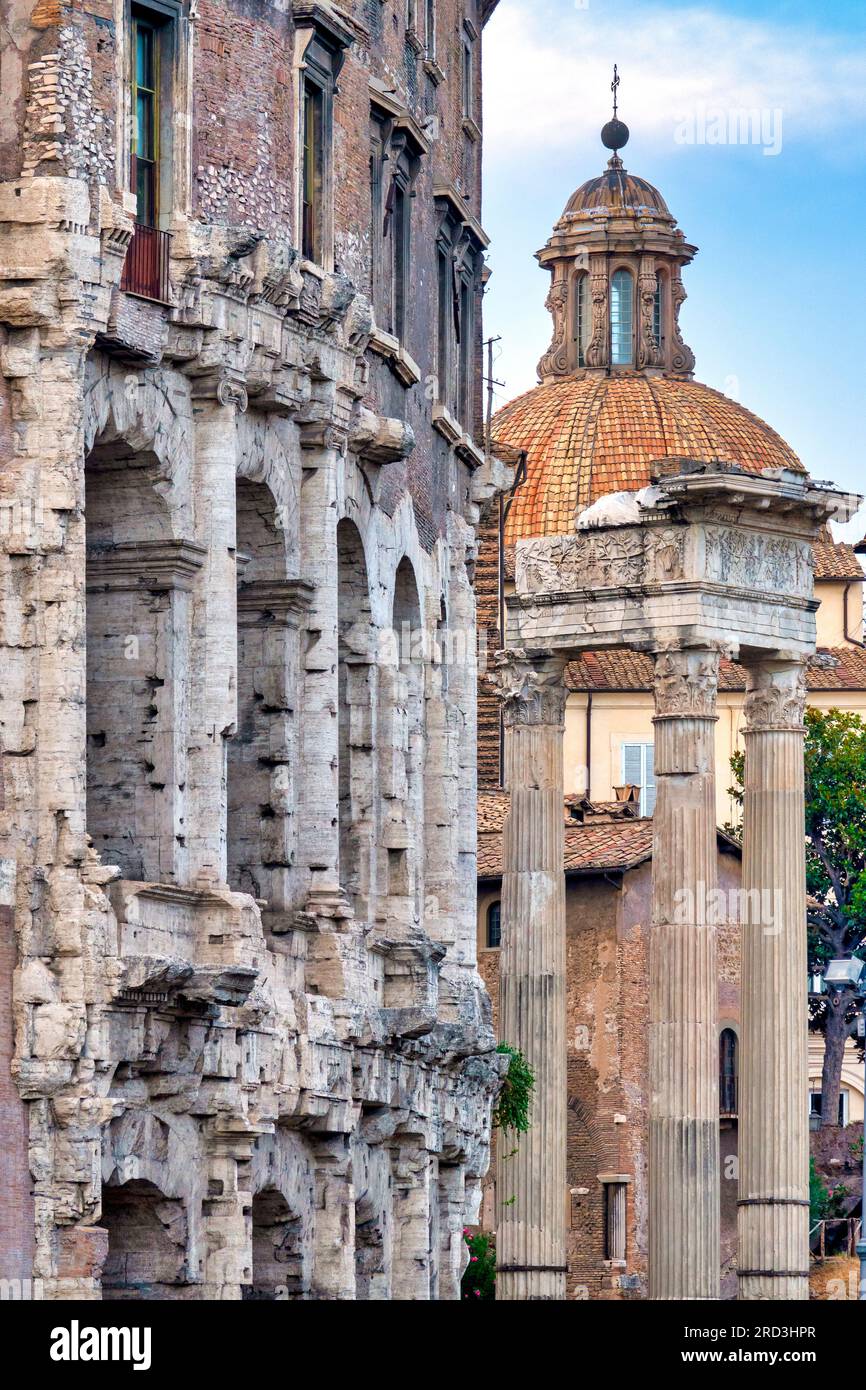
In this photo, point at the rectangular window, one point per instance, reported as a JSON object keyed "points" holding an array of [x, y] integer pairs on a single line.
{"points": [[467, 343], [816, 1106], [401, 249], [468, 77], [313, 172], [430, 30], [446, 325], [638, 770], [615, 1229], [146, 120]]}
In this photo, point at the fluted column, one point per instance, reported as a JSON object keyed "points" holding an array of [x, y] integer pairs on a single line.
{"points": [[684, 1255], [774, 1128], [530, 1174]]}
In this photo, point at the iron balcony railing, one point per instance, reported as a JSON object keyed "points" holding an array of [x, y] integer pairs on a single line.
{"points": [[145, 270]]}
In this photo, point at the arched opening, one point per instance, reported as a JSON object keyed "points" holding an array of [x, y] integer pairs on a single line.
{"points": [[356, 703], [373, 1224], [147, 1243], [728, 1073], [258, 773], [137, 585], [494, 925], [403, 680], [583, 318], [280, 1269], [622, 318]]}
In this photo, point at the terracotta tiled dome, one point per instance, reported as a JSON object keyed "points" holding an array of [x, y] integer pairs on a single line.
{"points": [[616, 188], [586, 436]]}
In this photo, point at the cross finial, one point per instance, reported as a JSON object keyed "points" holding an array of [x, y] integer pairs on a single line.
{"points": [[613, 87]]}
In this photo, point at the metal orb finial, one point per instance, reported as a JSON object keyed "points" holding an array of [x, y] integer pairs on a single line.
{"points": [[614, 135]]}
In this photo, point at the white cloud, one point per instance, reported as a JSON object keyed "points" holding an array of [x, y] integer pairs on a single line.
{"points": [[548, 68]]}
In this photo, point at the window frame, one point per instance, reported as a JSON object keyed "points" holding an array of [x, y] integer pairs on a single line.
{"points": [[320, 67], [162, 18], [615, 1189], [494, 907], [619, 275], [582, 316], [648, 782]]}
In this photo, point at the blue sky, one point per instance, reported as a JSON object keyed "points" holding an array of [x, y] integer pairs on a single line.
{"points": [[776, 312]]}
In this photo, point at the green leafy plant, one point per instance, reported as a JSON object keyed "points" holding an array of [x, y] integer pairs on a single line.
{"points": [[515, 1098], [825, 1202], [479, 1281]]}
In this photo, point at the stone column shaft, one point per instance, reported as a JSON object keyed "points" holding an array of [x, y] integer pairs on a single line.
{"points": [[684, 1249], [774, 1127], [531, 1172]]}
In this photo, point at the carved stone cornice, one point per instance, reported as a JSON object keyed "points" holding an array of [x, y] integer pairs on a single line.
{"points": [[145, 565], [262, 602], [530, 686], [221, 387], [686, 683], [775, 697]]}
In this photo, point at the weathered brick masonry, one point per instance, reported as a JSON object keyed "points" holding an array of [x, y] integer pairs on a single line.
{"points": [[237, 416]]}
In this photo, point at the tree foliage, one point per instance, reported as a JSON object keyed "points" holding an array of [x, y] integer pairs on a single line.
{"points": [[515, 1097], [835, 830]]}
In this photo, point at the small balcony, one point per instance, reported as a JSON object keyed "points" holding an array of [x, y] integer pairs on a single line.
{"points": [[145, 270]]}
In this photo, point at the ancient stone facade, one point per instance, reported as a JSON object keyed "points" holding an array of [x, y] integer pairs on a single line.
{"points": [[252, 1051]]}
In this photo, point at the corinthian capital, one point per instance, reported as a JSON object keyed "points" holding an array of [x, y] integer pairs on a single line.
{"points": [[686, 683], [775, 696], [530, 686]]}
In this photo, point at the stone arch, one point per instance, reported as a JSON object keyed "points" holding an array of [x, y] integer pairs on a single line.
{"points": [[374, 1222], [402, 676], [139, 572], [150, 1207], [137, 414], [259, 767], [282, 1219]]}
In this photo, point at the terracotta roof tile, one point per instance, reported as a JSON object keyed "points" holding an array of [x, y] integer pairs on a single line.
{"points": [[835, 560], [612, 845], [838, 668], [587, 436]]}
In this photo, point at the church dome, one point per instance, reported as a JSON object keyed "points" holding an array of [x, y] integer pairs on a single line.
{"points": [[616, 190], [587, 436]]}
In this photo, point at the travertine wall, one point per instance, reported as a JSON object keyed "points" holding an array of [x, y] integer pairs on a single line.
{"points": [[251, 1042]]}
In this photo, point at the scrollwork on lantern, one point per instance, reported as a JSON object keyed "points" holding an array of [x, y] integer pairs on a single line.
{"points": [[682, 357], [597, 351], [686, 684], [650, 350], [775, 698], [555, 360], [531, 688]]}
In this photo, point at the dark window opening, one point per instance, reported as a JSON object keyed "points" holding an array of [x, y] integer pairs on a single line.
{"points": [[494, 925], [728, 1072], [615, 1230], [313, 171]]}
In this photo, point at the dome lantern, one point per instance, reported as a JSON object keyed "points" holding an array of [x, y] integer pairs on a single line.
{"points": [[616, 257]]}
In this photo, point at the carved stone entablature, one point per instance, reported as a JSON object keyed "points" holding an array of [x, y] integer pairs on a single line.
{"points": [[266, 601], [221, 387], [151, 566], [322, 435], [607, 558], [530, 686], [775, 697], [770, 564], [686, 683]]}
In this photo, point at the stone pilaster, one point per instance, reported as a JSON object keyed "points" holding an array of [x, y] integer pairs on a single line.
{"points": [[214, 636], [684, 1255], [530, 1174], [774, 1128]]}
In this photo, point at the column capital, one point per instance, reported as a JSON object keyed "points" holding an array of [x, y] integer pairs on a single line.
{"points": [[686, 682], [530, 685], [775, 695]]}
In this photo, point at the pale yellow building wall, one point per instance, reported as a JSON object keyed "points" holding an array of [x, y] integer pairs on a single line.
{"points": [[626, 717], [852, 1076], [831, 614]]}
